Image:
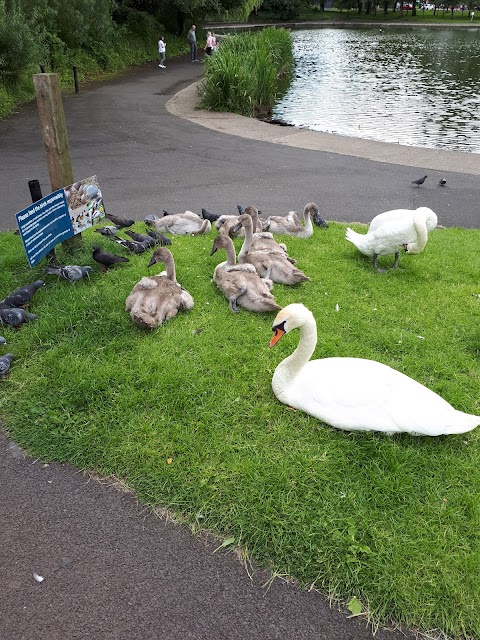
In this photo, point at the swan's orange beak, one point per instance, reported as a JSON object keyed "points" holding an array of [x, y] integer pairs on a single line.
{"points": [[277, 335]]}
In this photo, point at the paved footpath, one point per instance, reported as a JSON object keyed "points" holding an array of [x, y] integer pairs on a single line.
{"points": [[111, 569]]}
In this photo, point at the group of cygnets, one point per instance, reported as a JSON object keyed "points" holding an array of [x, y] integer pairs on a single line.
{"points": [[353, 394]]}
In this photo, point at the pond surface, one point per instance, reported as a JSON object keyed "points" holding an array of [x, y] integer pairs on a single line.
{"points": [[418, 87]]}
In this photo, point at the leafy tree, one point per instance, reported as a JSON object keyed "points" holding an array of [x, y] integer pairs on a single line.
{"points": [[284, 9]]}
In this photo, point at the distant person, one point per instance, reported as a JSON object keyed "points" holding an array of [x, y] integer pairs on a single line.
{"points": [[192, 41], [161, 52], [214, 40], [472, 15], [210, 43]]}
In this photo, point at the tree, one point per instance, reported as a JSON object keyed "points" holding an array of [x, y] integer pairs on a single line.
{"points": [[284, 9]]}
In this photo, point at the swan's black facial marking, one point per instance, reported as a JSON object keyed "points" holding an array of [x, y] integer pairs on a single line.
{"points": [[279, 331], [280, 326]]}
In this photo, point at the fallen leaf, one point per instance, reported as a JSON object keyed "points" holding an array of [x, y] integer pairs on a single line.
{"points": [[226, 543], [355, 606], [169, 460]]}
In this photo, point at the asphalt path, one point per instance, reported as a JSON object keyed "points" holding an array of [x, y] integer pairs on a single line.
{"points": [[111, 569], [147, 160]]}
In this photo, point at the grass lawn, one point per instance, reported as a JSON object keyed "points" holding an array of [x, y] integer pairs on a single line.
{"points": [[392, 521], [428, 15]]}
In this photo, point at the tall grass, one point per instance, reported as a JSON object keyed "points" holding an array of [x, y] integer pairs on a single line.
{"points": [[393, 521], [248, 72]]}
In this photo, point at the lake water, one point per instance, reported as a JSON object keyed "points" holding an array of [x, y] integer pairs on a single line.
{"points": [[418, 87]]}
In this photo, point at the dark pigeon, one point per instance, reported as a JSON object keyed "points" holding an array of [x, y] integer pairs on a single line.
{"points": [[15, 317], [206, 215], [5, 364], [319, 221], [419, 181], [442, 182], [70, 272], [162, 238], [22, 296], [106, 259], [120, 222], [139, 237], [131, 245]]}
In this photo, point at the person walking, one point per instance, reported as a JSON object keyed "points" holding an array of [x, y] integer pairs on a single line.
{"points": [[192, 41], [161, 52], [210, 43]]}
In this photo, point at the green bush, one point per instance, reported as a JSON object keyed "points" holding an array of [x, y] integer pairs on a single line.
{"points": [[247, 73], [18, 45]]}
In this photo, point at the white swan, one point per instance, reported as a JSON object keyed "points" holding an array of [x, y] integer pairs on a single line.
{"points": [[393, 230], [356, 394]]}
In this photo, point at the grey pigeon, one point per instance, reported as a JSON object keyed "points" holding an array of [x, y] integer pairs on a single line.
{"points": [[131, 245], [149, 220], [70, 272], [161, 237], [5, 364], [240, 209], [419, 181], [109, 230], [319, 221], [15, 317], [148, 240], [442, 182], [2, 340], [22, 296], [120, 222], [106, 259], [206, 215]]}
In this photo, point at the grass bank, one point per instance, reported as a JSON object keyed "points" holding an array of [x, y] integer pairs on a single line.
{"points": [[392, 521], [248, 72], [440, 16]]}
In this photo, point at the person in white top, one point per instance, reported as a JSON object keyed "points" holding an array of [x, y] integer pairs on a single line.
{"points": [[161, 51]]}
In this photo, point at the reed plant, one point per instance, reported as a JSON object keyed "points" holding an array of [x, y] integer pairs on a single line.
{"points": [[248, 72]]}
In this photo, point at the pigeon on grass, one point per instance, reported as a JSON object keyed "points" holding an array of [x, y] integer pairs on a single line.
{"points": [[119, 221], [70, 272], [105, 258], [131, 245], [22, 296], [2, 340], [139, 237], [109, 230], [213, 217], [15, 317], [161, 237], [5, 364]]}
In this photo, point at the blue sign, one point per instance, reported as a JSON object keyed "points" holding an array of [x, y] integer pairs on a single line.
{"points": [[44, 224]]}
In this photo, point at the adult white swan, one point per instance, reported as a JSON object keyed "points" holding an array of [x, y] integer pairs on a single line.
{"points": [[356, 394], [393, 230]]}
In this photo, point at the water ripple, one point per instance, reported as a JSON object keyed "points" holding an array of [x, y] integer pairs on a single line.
{"points": [[416, 87]]}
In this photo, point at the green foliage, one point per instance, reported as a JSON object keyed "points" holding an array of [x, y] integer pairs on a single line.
{"points": [[388, 524], [18, 44], [283, 9], [248, 72]]}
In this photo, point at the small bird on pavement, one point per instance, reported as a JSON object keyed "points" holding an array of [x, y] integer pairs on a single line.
{"points": [[119, 221], [21, 296], [442, 182], [108, 230], [139, 237], [162, 238], [419, 181], [206, 215], [5, 364], [105, 258], [15, 317], [70, 272], [2, 340]]}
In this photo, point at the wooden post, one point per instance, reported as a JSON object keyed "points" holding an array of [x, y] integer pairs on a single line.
{"points": [[54, 134]]}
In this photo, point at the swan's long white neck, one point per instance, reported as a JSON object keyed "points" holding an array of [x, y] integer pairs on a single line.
{"points": [[420, 223], [288, 369], [307, 220]]}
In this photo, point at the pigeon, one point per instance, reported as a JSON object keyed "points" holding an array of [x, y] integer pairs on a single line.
{"points": [[5, 364], [71, 272], [22, 296], [106, 259], [240, 209], [131, 245], [149, 220], [419, 181], [148, 240], [2, 340], [206, 215], [108, 231], [15, 317], [162, 239], [319, 221], [442, 182], [120, 222]]}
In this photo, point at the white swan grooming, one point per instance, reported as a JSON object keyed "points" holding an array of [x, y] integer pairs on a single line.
{"points": [[393, 230], [180, 224], [354, 394]]}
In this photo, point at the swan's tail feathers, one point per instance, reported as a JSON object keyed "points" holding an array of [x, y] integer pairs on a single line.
{"points": [[205, 228], [461, 423], [355, 238]]}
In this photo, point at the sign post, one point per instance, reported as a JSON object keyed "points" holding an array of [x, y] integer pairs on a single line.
{"points": [[54, 134]]}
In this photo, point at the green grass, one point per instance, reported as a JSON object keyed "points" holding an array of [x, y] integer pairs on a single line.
{"points": [[392, 521], [248, 72]]}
